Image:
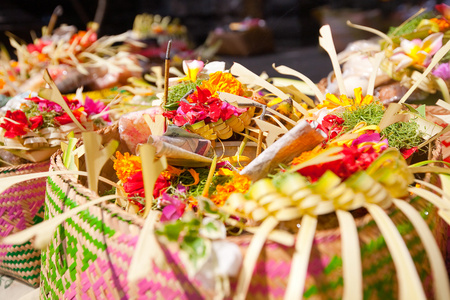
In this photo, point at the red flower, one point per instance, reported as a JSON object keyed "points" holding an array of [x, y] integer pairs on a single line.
{"points": [[202, 106], [12, 128], [36, 121], [408, 152], [160, 186], [354, 160], [38, 46], [331, 125], [65, 119], [135, 185]]}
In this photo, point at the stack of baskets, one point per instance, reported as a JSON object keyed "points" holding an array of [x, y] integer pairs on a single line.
{"points": [[22, 206], [89, 254]]}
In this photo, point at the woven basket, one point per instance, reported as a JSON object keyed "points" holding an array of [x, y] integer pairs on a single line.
{"points": [[90, 253], [22, 206]]}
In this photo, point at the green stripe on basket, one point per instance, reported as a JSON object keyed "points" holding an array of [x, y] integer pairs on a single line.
{"points": [[78, 227], [382, 288], [22, 269], [37, 218], [336, 262], [54, 206], [92, 220], [22, 261], [313, 290], [329, 286]]}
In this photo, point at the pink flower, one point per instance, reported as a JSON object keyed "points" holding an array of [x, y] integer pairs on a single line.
{"points": [[370, 140], [417, 52], [92, 107], [442, 71], [173, 210]]}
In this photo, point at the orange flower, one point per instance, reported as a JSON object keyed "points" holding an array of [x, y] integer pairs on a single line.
{"points": [[443, 24], [171, 172], [238, 184], [223, 82], [42, 57], [2, 83], [126, 165]]}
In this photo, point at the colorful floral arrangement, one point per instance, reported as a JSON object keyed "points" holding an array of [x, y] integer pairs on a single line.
{"points": [[177, 188], [73, 59], [201, 111], [412, 46], [345, 154], [32, 125]]}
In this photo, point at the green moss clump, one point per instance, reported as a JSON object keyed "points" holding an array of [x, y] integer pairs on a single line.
{"points": [[401, 135], [178, 91], [371, 114]]}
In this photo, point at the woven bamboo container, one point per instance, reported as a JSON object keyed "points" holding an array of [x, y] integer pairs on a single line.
{"points": [[22, 206], [89, 254]]}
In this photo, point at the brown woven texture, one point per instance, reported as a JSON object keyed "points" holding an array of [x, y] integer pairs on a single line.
{"points": [[21, 206], [270, 276]]}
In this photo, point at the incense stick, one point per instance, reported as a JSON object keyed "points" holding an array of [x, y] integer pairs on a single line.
{"points": [[166, 73], [56, 13]]}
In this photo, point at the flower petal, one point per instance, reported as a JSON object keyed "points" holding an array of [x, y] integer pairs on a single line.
{"points": [[402, 60], [432, 43], [191, 68]]}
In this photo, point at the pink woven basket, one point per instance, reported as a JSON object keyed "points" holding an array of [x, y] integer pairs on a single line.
{"points": [[90, 253], [22, 206]]}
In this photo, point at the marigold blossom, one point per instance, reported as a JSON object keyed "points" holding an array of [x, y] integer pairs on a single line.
{"points": [[126, 165], [237, 184], [223, 82]]}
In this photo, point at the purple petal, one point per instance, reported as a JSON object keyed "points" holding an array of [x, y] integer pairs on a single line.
{"points": [[442, 71]]}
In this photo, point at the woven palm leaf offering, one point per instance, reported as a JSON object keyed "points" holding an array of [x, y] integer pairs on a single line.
{"points": [[33, 127], [73, 58], [330, 208], [407, 51]]}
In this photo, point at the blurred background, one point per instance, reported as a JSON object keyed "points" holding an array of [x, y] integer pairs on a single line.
{"points": [[292, 25]]}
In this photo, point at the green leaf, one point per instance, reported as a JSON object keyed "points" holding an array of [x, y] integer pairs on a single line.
{"points": [[172, 230], [421, 110], [211, 227]]}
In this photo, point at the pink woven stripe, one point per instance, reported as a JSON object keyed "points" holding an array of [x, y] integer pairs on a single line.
{"points": [[15, 194]]}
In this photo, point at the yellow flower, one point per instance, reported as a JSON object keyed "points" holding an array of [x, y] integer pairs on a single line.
{"points": [[126, 165], [223, 82], [238, 184], [332, 101], [225, 172]]}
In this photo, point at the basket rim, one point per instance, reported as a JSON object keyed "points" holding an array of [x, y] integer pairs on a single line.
{"points": [[56, 164]]}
